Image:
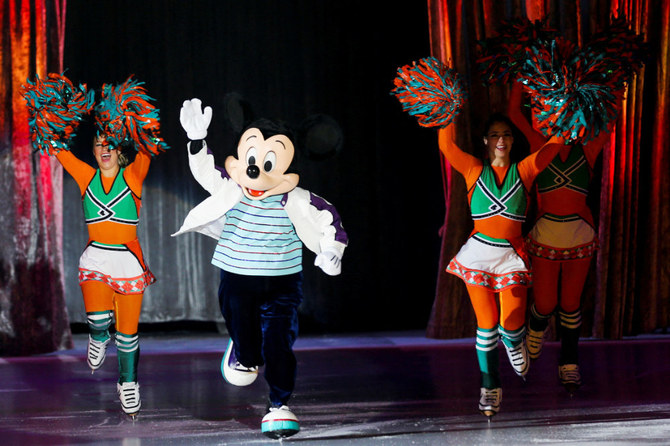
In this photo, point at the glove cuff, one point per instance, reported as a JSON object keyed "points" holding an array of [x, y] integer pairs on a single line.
{"points": [[196, 134]]}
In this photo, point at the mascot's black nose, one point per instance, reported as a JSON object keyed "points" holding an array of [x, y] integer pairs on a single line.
{"points": [[253, 171]]}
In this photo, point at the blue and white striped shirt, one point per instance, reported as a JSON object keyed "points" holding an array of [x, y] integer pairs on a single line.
{"points": [[258, 239]]}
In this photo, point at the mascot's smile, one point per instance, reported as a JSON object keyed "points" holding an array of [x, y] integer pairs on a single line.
{"points": [[261, 164], [255, 193]]}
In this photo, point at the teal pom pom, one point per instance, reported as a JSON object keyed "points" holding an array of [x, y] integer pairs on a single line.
{"points": [[569, 96], [430, 91], [125, 116], [56, 108], [502, 56]]}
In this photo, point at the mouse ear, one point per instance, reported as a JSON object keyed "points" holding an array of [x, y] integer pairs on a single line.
{"points": [[321, 137], [238, 111]]}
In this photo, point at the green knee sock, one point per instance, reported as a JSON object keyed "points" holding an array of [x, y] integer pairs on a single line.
{"points": [[538, 321], [128, 351], [98, 324], [569, 329], [487, 356], [512, 338]]}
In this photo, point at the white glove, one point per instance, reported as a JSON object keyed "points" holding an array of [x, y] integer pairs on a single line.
{"points": [[194, 120], [329, 262]]}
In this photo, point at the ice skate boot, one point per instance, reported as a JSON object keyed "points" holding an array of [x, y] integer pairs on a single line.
{"points": [[96, 353], [534, 343], [129, 394], [279, 422], [518, 358], [570, 377], [489, 401], [235, 373]]}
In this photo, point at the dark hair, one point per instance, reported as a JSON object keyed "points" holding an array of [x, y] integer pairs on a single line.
{"points": [[269, 128], [521, 147]]}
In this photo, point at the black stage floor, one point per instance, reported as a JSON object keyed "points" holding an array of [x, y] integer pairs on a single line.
{"points": [[380, 389]]}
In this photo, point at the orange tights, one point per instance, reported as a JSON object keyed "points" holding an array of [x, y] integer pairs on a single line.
{"points": [[512, 314], [546, 275], [126, 307]]}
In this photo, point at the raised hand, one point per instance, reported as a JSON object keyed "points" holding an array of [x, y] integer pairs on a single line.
{"points": [[194, 120]]}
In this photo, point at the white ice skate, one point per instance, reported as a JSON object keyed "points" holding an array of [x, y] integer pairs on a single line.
{"points": [[570, 377], [96, 353], [518, 357], [279, 422], [534, 343], [489, 401], [235, 373], [129, 394]]}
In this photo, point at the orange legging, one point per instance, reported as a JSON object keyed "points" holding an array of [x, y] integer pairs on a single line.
{"points": [[126, 307], [546, 275], [512, 314]]}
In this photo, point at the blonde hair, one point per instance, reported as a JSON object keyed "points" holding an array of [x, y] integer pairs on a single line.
{"points": [[123, 159]]}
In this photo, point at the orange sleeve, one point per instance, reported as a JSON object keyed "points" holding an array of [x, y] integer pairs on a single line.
{"points": [[467, 165], [79, 170], [531, 166], [535, 138], [137, 171]]}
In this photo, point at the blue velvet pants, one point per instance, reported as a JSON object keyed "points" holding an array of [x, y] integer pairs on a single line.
{"points": [[261, 315]]}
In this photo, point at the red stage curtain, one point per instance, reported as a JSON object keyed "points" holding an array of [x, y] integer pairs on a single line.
{"points": [[628, 292], [33, 318]]}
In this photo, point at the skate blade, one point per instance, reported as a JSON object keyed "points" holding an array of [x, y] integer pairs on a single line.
{"points": [[133, 416], [488, 414], [571, 389]]}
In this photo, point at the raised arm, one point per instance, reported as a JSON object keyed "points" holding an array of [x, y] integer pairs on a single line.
{"points": [[137, 171], [195, 120], [531, 166], [461, 161], [201, 161], [79, 170], [514, 111]]}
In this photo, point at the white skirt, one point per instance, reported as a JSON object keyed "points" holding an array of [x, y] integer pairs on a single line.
{"points": [[562, 238], [562, 232], [116, 266], [492, 265]]}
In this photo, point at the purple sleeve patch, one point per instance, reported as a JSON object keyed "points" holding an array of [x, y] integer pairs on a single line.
{"points": [[323, 205], [222, 171]]}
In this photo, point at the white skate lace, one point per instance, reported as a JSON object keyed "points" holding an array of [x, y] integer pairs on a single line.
{"points": [[240, 368], [490, 398], [570, 374]]}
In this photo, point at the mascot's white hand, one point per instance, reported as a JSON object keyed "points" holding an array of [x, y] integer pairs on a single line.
{"points": [[329, 262], [194, 120]]}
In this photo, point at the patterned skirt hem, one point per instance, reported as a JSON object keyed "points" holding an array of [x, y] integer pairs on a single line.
{"points": [[135, 285], [494, 282], [584, 251]]}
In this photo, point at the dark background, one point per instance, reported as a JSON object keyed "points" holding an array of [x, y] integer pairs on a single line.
{"points": [[290, 59]]}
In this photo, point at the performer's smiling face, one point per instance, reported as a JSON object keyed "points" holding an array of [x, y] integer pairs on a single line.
{"points": [[499, 142], [106, 156]]}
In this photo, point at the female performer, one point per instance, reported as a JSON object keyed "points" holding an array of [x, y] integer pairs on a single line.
{"points": [[561, 243], [112, 271], [492, 263]]}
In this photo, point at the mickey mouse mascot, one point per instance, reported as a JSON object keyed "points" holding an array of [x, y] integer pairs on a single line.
{"points": [[261, 220]]}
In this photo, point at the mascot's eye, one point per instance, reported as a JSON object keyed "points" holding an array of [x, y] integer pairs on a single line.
{"points": [[251, 156], [269, 162]]}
